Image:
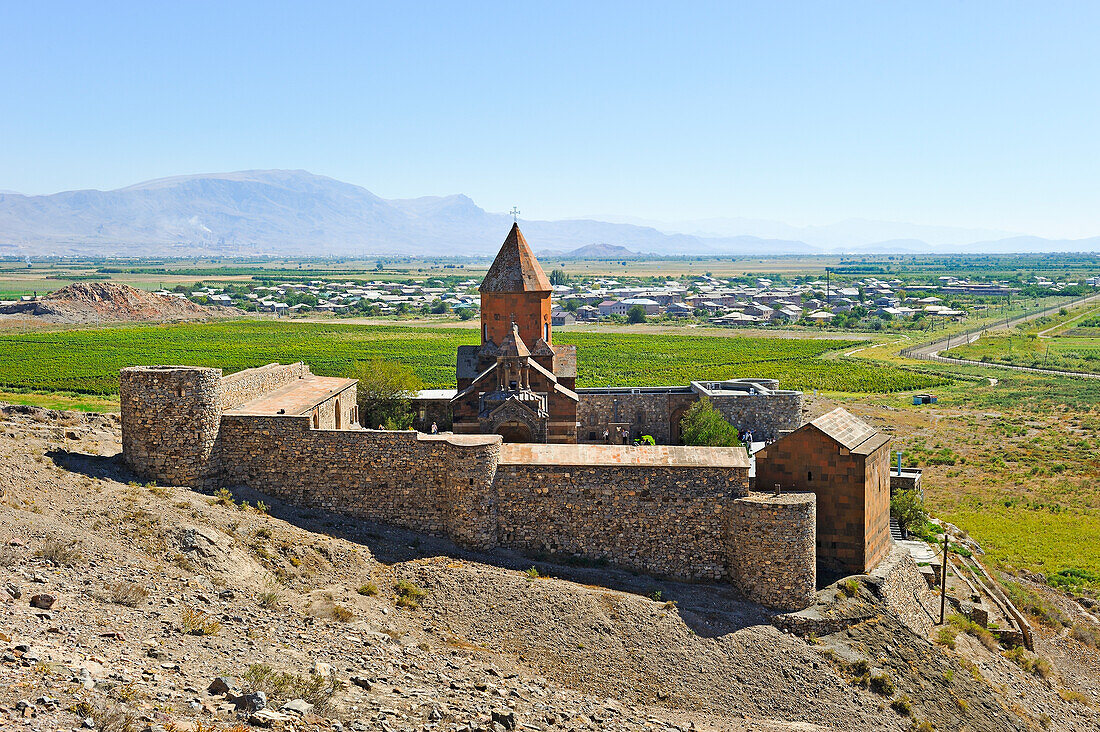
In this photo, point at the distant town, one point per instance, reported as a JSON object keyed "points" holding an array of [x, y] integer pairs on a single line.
{"points": [[866, 303]]}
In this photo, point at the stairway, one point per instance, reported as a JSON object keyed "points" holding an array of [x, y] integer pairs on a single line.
{"points": [[895, 530]]}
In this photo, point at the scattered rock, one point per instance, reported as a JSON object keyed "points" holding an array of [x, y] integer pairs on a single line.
{"points": [[222, 685], [298, 706], [254, 701], [268, 718], [505, 718], [43, 601]]}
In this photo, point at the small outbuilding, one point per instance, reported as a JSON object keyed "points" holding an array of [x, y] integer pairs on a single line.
{"points": [[846, 462]]}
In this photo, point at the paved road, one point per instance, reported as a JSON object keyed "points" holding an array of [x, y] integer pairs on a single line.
{"points": [[931, 351]]}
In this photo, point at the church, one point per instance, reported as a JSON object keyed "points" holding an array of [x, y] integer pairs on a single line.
{"points": [[520, 385], [517, 383]]}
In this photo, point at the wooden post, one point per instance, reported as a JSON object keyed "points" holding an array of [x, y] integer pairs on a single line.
{"points": [[943, 578]]}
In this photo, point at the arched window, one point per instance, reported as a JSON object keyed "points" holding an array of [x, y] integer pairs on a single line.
{"points": [[809, 476], [546, 329]]}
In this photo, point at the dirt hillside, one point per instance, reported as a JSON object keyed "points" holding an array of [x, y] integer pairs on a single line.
{"points": [[127, 606], [105, 302]]}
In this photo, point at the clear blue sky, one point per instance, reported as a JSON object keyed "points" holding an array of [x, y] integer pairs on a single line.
{"points": [[960, 113]]}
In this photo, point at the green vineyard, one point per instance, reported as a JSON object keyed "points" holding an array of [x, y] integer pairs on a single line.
{"points": [[88, 361]]}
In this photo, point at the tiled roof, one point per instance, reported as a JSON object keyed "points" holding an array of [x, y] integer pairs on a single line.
{"points": [[850, 431], [515, 269]]}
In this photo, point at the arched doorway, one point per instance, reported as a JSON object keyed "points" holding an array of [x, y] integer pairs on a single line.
{"points": [[674, 426], [515, 432]]}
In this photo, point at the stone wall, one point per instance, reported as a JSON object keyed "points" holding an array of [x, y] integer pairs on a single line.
{"points": [[439, 485], [898, 581], [657, 412], [675, 521], [246, 385], [767, 416], [772, 555], [641, 411], [169, 421], [661, 520]]}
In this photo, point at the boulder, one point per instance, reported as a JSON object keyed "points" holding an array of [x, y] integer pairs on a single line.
{"points": [[298, 706], [43, 600]]}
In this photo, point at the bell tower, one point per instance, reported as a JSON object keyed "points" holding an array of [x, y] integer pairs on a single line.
{"points": [[515, 290]]}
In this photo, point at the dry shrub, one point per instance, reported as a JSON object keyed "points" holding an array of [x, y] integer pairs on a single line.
{"points": [[1074, 697], [61, 553], [8, 556], [408, 594], [114, 718], [197, 622], [1028, 662], [316, 689], [129, 594]]}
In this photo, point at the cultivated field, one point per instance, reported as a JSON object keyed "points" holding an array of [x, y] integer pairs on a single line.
{"points": [[87, 361], [1069, 342]]}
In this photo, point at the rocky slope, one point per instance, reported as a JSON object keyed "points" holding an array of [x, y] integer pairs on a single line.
{"points": [[106, 302], [126, 607]]}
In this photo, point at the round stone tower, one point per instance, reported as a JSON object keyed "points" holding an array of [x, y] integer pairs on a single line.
{"points": [[170, 418]]}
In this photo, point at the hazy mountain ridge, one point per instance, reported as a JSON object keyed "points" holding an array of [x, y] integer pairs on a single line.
{"points": [[294, 212]]}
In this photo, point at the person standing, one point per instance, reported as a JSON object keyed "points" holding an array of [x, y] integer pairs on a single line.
{"points": [[435, 428]]}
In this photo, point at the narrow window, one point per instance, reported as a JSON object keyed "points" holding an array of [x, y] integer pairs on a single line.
{"points": [[809, 477], [546, 337]]}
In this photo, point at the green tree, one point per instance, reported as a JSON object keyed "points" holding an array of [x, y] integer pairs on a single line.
{"points": [[559, 277], [703, 425], [384, 391], [908, 508], [636, 314]]}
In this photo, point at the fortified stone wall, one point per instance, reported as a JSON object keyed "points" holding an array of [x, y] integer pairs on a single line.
{"points": [[767, 416], [772, 555], [657, 412], [439, 485], [667, 521], [686, 521], [645, 412], [169, 421], [244, 386]]}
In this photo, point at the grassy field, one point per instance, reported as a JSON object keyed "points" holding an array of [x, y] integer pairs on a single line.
{"points": [[87, 361], [1069, 341], [1015, 463]]}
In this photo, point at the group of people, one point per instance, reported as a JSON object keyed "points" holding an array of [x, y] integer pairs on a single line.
{"points": [[621, 435]]}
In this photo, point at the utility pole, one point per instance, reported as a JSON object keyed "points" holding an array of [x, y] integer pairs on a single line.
{"points": [[943, 578]]}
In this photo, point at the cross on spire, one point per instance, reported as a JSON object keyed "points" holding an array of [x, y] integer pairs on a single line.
{"points": [[515, 214]]}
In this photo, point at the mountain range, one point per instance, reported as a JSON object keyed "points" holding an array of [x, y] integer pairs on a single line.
{"points": [[297, 213]]}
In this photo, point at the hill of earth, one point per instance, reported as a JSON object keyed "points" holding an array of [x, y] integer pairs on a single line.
{"points": [[105, 302], [126, 606]]}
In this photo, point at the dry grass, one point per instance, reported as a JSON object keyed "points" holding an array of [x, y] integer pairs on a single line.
{"points": [[408, 594], [114, 718], [61, 553], [129, 594], [316, 689], [196, 622]]}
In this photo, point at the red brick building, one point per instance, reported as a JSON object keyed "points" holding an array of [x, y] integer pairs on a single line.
{"points": [[846, 462], [516, 383]]}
